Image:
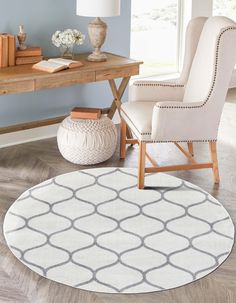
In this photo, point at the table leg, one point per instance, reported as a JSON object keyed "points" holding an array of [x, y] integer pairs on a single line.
{"points": [[118, 94]]}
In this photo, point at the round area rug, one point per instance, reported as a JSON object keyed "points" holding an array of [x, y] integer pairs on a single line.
{"points": [[94, 230]]}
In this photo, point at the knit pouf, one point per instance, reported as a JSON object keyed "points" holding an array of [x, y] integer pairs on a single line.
{"points": [[87, 142]]}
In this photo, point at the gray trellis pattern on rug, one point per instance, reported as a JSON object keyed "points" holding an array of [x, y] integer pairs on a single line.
{"points": [[95, 230]]}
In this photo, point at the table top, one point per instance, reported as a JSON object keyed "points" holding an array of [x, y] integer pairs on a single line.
{"points": [[23, 78]]}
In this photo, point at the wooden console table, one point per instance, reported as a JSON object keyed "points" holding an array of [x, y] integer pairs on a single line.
{"points": [[23, 79]]}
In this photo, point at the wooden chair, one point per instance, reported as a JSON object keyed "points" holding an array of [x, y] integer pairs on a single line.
{"points": [[189, 109]]}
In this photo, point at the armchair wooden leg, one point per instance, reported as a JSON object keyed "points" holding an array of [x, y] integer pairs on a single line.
{"points": [[141, 164], [215, 162], [190, 148], [123, 132]]}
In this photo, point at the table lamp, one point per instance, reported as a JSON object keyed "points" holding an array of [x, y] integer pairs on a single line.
{"points": [[97, 29]]}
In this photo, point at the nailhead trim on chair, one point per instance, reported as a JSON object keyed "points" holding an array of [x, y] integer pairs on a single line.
{"points": [[157, 84], [213, 83], [181, 141], [169, 141]]}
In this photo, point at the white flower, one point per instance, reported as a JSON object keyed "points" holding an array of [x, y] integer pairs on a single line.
{"points": [[68, 37], [56, 39]]}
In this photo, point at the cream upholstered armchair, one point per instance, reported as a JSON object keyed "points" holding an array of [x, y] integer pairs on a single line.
{"points": [[189, 109]]}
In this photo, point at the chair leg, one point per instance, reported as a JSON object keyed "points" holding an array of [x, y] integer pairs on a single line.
{"points": [[141, 164], [190, 148], [215, 162], [123, 131]]}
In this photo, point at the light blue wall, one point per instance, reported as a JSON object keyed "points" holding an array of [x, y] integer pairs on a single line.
{"points": [[42, 18]]}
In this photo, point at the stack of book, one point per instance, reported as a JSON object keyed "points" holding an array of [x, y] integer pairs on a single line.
{"points": [[86, 113], [30, 55], [7, 50]]}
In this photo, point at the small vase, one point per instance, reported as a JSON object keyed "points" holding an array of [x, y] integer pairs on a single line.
{"points": [[21, 38], [67, 51]]}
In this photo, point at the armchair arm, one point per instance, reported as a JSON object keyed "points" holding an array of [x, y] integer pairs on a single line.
{"points": [[156, 91], [174, 121]]}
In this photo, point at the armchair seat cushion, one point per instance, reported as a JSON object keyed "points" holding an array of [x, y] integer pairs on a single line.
{"points": [[138, 116]]}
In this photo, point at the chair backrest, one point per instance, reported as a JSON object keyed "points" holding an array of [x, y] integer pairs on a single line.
{"points": [[192, 36], [213, 63]]}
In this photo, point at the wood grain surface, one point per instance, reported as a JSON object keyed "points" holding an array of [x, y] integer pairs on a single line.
{"points": [[115, 67]]}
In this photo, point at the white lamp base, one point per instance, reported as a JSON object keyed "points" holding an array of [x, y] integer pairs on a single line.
{"points": [[97, 57], [97, 32]]}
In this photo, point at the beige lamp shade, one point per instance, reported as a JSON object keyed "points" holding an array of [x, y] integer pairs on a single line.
{"points": [[98, 8]]}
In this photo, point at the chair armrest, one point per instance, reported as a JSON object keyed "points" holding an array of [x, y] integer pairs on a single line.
{"points": [[177, 105], [156, 91], [175, 121]]}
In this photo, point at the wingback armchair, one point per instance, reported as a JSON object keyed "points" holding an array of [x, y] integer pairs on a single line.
{"points": [[188, 109]]}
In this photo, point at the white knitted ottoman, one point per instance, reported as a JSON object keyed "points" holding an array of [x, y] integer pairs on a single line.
{"points": [[87, 142]]}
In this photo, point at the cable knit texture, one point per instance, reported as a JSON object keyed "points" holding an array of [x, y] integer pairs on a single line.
{"points": [[87, 142]]}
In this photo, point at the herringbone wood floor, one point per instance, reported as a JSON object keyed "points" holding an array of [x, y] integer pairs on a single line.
{"points": [[28, 164]]}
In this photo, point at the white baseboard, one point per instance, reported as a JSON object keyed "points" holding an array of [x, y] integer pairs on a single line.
{"points": [[35, 134], [28, 135]]}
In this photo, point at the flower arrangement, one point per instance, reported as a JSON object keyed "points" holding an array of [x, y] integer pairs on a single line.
{"points": [[67, 39]]}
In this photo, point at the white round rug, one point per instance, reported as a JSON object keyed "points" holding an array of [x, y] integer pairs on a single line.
{"points": [[94, 230]]}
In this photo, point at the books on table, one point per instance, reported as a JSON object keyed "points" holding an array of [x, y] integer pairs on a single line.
{"points": [[28, 60], [3, 51], [11, 50], [32, 51], [30, 55], [56, 64], [7, 50], [11, 56]]}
